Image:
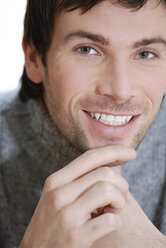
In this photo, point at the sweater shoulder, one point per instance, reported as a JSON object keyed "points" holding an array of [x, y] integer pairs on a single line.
{"points": [[10, 112], [8, 99]]}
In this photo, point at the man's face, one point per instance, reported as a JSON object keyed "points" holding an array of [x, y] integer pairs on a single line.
{"points": [[106, 73]]}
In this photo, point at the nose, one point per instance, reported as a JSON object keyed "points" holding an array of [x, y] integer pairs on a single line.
{"points": [[118, 81]]}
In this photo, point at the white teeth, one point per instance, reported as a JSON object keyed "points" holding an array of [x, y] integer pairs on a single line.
{"points": [[97, 116], [128, 118], [92, 114], [103, 117], [111, 120]]}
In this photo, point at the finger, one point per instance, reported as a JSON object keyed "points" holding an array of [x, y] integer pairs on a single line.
{"points": [[76, 188], [100, 195], [117, 169], [100, 226], [101, 174], [89, 161]]}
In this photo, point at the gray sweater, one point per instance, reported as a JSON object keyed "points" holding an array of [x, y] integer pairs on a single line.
{"points": [[31, 148]]}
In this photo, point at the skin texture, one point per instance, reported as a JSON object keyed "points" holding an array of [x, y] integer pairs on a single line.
{"points": [[63, 217], [119, 74], [112, 79]]}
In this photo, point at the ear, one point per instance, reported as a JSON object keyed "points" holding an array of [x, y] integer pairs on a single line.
{"points": [[33, 63]]}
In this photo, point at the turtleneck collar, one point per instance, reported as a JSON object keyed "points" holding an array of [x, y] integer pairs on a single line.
{"points": [[40, 138]]}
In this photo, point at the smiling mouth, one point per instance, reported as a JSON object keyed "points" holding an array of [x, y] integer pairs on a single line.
{"points": [[111, 120]]}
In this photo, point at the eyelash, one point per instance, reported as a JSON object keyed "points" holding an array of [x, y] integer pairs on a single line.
{"points": [[154, 55], [96, 53], [80, 50]]}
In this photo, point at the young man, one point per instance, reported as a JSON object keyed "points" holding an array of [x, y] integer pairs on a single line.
{"points": [[94, 82]]}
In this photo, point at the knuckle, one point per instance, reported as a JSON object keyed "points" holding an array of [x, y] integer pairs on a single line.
{"points": [[122, 203], [53, 199], [106, 173], [57, 198], [48, 183], [105, 187], [115, 179], [64, 217], [118, 200], [111, 221]]}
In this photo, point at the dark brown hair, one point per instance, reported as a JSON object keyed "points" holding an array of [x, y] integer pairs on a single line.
{"points": [[38, 27]]}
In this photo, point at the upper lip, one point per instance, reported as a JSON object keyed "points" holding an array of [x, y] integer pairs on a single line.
{"points": [[113, 113]]}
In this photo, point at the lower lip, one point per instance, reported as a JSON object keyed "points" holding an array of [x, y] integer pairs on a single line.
{"points": [[113, 131]]}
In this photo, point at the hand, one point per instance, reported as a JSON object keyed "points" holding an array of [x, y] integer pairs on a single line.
{"points": [[136, 230], [64, 215]]}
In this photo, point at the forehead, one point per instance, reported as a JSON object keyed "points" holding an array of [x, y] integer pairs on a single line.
{"points": [[111, 20]]}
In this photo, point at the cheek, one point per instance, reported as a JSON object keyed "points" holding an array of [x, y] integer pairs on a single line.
{"points": [[70, 81], [154, 86]]}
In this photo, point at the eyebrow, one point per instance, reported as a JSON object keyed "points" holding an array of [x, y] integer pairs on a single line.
{"points": [[147, 42], [104, 41], [83, 34]]}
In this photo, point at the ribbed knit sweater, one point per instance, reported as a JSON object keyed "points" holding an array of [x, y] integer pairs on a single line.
{"points": [[31, 148]]}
